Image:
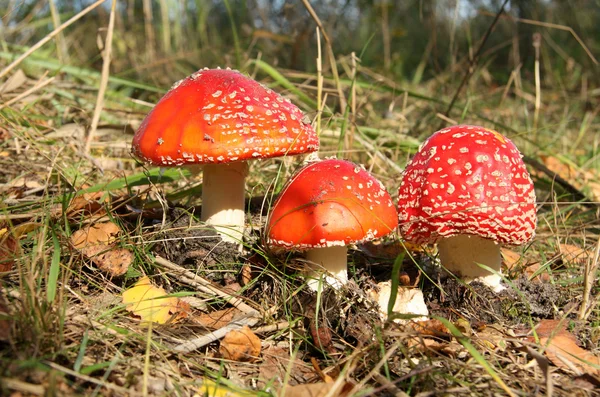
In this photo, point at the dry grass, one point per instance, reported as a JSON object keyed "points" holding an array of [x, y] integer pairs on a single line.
{"points": [[66, 330]]}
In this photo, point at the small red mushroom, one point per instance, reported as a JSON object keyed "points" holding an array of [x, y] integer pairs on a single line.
{"points": [[327, 205], [467, 189], [221, 118]]}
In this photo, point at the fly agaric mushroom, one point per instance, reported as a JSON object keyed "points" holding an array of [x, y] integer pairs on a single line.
{"points": [[327, 205], [467, 189], [221, 118]]}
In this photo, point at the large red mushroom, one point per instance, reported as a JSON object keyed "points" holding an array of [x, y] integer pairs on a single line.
{"points": [[467, 189], [220, 119], [327, 205]]}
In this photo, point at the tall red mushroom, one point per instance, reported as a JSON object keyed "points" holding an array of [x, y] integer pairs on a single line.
{"points": [[467, 189], [327, 205], [220, 119]]}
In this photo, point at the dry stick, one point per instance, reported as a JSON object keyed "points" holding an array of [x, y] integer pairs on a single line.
{"points": [[589, 279], [77, 375], [49, 37], [196, 343], [204, 285], [332, 60], [473, 63], [60, 38], [39, 85], [103, 79]]}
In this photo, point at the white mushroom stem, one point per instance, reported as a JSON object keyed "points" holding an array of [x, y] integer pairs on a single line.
{"points": [[461, 255], [223, 191], [329, 262]]}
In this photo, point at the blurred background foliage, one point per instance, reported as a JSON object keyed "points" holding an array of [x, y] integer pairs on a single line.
{"points": [[160, 41]]}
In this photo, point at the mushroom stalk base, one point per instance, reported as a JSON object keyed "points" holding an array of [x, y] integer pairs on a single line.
{"points": [[223, 199], [461, 255], [329, 260]]}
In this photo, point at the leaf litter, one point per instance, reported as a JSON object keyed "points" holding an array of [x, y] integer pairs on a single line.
{"points": [[341, 331]]}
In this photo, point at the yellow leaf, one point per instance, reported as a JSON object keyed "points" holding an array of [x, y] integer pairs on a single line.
{"points": [[210, 388], [151, 302]]}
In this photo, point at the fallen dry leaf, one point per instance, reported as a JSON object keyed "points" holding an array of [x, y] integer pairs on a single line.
{"points": [[217, 319], [573, 254], [96, 242], [562, 349], [9, 243], [318, 390], [210, 388], [9, 250], [240, 345], [152, 304], [277, 367]]}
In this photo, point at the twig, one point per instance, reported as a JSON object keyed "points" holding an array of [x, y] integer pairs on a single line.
{"points": [[473, 63], [23, 387], [109, 386], [39, 85], [48, 37], [204, 285], [589, 279], [107, 53], [250, 319], [332, 61]]}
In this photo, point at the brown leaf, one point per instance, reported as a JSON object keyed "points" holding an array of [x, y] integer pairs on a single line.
{"points": [[573, 254], [321, 336], [246, 274], [217, 319], [555, 165], [562, 348], [430, 327], [9, 250], [240, 345], [277, 366], [318, 390], [112, 260], [96, 242]]}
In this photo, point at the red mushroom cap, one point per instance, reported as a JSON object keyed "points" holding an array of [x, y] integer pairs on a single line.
{"points": [[220, 116], [328, 203], [467, 180]]}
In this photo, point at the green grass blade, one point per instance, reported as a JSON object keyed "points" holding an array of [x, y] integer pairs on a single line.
{"points": [[54, 270]]}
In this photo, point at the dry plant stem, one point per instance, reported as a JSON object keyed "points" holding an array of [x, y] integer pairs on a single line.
{"points": [[23, 387], [250, 320], [537, 42], [106, 55], [474, 60], [109, 386], [589, 278], [331, 260], [49, 37], [332, 60], [223, 191], [319, 83], [38, 86], [461, 255], [204, 285]]}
